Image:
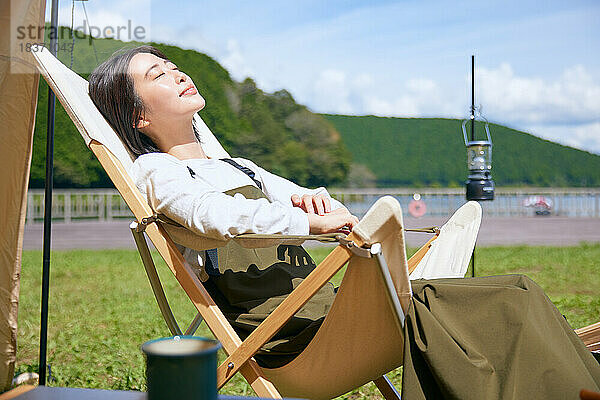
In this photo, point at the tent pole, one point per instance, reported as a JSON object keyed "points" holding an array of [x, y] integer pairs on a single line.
{"points": [[473, 136], [48, 203]]}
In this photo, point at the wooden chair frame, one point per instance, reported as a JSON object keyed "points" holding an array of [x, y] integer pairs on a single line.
{"points": [[239, 353], [590, 335]]}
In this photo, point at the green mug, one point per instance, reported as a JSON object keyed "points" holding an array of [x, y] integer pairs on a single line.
{"points": [[181, 367]]}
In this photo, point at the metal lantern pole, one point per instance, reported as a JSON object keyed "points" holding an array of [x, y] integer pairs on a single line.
{"points": [[479, 185], [48, 203], [473, 97], [473, 139]]}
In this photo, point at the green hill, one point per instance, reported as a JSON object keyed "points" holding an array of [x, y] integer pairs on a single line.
{"points": [[312, 149], [431, 152]]}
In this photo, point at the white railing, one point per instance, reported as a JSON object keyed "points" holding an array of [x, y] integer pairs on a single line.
{"points": [[508, 202], [69, 205]]}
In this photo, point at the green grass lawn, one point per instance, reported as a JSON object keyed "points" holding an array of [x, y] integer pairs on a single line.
{"points": [[102, 309]]}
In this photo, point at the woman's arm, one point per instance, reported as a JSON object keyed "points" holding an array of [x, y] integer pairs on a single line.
{"points": [[172, 191], [280, 189]]}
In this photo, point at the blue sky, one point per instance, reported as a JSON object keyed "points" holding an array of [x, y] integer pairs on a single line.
{"points": [[538, 63]]}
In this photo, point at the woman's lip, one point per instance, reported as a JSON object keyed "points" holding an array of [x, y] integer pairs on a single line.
{"points": [[189, 91]]}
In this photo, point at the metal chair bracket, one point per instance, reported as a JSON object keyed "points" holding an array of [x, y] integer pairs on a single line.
{"points": [[141, 226], [350, 245]]}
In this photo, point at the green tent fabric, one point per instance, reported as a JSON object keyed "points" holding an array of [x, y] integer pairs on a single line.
{"points": [[494, 337]]}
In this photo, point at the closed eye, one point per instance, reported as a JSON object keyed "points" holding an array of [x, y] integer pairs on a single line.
{"points": [[161, 74], [172, 69]]}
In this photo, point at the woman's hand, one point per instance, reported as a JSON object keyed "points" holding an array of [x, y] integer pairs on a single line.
{"points": [[333, 221], [318, 204], [320, 217]]}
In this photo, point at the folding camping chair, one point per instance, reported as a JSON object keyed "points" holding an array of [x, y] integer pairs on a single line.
{"points": [[328, 366], [390, 290]]}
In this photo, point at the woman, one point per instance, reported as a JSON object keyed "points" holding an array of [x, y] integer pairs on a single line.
{"points": [[151, 104]]}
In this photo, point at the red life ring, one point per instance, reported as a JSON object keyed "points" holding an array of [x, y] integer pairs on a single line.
{"points": [[417, 208]]}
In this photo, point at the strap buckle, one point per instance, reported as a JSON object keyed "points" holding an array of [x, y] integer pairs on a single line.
{"points": [[141, 226], [350, 245]]}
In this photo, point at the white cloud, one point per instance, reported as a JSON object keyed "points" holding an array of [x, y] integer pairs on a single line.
{"points": [[418, 97], [573, 98], [583, 136], [334, 91], [565, 110], [587, 137], [234, 61], [187, 37]]}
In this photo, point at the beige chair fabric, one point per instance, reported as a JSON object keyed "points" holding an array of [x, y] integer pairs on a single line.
{"points": [[18, 100], [361, 337], [450, 253], [382, 224]]}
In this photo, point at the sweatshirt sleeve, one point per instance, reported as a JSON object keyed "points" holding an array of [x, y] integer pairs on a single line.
{"points": [[281, 189], [171, 190]]}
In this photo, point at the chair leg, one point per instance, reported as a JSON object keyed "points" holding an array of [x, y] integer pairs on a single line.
{"points": [[194, 325], [261, 386], [386, 388], [159, 294], [250, 370]]}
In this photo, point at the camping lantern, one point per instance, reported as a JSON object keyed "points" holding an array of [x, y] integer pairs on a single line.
{"points": [[480, 185]]}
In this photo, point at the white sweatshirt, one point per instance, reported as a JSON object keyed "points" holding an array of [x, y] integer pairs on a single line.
{"points": [[199, 203]]}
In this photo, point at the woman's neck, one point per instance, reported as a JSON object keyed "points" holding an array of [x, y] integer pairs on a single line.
{"points": [[186, 151], [179, 141]]}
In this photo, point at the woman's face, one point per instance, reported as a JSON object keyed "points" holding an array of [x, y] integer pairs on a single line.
{"points": [[167, 92]]}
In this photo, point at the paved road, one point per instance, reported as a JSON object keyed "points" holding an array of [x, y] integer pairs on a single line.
{"points": [[551, 231], [534, 231]]}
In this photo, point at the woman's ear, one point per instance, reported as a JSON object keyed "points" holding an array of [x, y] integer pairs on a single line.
{"points": [[142, 123]]}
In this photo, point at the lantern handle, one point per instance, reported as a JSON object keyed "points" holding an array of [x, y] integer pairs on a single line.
{"points": [[487, 129], [464, 131]]}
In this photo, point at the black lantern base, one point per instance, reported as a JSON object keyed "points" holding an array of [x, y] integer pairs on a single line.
{"points": [[480, 189]]}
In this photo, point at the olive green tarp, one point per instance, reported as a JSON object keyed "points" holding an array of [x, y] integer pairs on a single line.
{"points": [[491, 338]]}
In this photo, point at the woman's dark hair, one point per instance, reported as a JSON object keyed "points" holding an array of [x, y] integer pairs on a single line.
{"points": [[112, 90]]}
